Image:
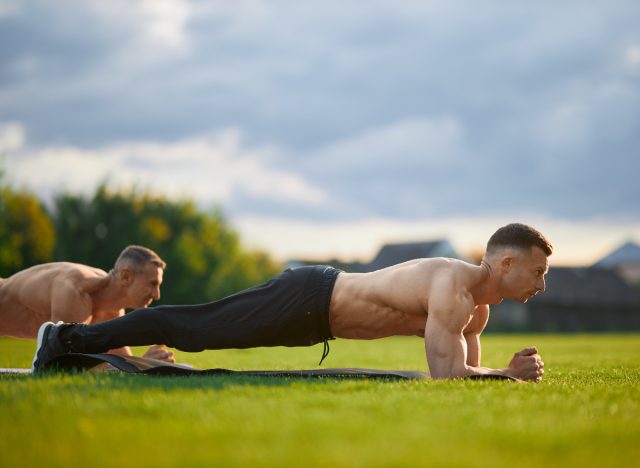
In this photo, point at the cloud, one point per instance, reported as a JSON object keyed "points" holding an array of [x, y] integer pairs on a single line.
{"points": [[403, 110], [212, 169], [417, 142], [12, 136]]}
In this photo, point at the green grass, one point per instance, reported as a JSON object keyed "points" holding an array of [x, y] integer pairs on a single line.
{"points": [[585, 413]]}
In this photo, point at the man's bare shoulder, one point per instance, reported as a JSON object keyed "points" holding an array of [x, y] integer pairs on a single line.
{"points": [[450, 281], [58, 272], [450, 269]]}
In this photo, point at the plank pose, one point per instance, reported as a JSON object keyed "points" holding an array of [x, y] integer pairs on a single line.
{"points": [[443, 300], [71, 292]]}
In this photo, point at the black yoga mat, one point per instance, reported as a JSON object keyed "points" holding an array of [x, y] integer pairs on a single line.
{"points": [[141, 365]]}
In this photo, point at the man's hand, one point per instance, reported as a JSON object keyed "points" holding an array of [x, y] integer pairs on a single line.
{"points": [[526, 365], [159, 352]]}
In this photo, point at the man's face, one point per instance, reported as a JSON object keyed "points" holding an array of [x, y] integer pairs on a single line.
{"points": [[145, 287], [524, 277]]}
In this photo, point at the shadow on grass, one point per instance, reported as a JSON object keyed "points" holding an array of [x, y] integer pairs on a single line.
{"points": [[120, 381]]}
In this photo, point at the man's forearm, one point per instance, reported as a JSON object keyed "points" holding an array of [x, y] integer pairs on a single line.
{"points": [[124, 351], [468, 371]]}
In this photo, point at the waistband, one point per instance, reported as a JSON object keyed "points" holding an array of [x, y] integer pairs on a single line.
{"points": [[329, 275]]}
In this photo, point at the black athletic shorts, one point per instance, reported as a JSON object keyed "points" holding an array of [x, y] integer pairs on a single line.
{"points": [[291, 309]]}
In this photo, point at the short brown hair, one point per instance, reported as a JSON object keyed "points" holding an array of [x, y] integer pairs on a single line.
{"points": [[519, 236], [137, 257]]}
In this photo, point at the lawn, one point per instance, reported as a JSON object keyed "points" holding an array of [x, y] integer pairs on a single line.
{"points": [[585, 413]]}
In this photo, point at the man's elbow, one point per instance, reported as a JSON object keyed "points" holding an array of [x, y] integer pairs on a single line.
{"points": [[450, 372]]}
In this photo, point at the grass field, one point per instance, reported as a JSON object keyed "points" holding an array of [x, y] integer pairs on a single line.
{"points": [[585, 413]]}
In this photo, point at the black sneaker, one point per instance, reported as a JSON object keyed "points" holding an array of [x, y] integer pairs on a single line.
{"points": [[48, 345]]}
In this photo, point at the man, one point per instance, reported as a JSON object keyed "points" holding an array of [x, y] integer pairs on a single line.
{"points": [[70, 292], [443, 300]]}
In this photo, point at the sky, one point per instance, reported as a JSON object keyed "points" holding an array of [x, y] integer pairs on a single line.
{"points": [[327, 128]]}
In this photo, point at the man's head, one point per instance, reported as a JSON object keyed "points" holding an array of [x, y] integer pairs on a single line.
{"points": [[139, 270], [517, 254]]}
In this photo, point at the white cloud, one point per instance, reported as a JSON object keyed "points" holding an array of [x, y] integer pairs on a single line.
{"points": [[415, 141], [208, 168], [414, 108], [152, 30], [166, 20], [12, 136]]}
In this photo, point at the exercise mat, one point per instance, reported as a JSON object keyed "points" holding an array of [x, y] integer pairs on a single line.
{"points": [[139, 365]]}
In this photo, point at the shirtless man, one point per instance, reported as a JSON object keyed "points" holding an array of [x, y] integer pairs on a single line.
{"points": [[444, 301], [70, 292]]}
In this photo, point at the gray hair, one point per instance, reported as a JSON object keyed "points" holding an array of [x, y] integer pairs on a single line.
{"points": [[137, 257]]}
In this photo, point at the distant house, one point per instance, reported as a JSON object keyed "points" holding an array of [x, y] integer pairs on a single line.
{"points": [[576, 300], [391, 254], [625, 260]]}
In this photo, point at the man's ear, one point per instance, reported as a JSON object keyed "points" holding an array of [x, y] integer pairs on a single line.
{"points": [[126, 276], [506, 263]]}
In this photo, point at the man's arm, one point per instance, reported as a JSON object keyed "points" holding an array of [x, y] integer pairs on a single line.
{"points": [[451, 353], [448, 349], [472, 334]]}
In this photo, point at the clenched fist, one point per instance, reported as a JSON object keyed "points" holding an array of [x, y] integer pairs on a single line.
{"points": [[527, 365], [160, 352]]}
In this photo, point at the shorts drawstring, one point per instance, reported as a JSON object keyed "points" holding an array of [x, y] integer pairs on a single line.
{"points": [[325, 351]]}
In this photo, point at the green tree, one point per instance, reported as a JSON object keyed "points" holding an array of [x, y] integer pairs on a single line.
{"points": [[27, 235], [204, 256]]}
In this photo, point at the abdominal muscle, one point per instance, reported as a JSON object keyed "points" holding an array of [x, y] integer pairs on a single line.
{"points": [[378, 304]]}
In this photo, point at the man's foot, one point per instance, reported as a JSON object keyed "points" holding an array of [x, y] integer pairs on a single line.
{"points": [[48, 345]]}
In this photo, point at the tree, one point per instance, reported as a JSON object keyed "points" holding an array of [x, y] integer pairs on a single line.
{"points": [[27, 235], [204, 256]]}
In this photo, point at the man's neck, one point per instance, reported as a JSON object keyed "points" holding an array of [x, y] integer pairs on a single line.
{"points": [[487, 291], [109, 297]]}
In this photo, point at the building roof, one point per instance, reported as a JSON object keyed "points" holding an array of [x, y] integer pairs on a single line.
{"points": [[392, 254], [586, 286], [626, 254]]}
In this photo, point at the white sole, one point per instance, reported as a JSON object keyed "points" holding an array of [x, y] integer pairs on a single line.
{"points": [[41, 330]]}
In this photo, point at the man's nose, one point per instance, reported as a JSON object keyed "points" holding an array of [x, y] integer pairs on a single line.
{"points": [[156, 295], [541, 286]]}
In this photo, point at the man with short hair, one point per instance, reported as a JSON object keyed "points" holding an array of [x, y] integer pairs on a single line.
{"points": [[71, 292], [444, 301]]}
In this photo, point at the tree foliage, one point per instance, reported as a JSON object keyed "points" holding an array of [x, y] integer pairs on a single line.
{"points": [[27, 235], [204, 256]]}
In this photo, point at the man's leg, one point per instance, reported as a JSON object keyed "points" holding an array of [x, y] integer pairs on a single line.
{"points": [[283, 312]]}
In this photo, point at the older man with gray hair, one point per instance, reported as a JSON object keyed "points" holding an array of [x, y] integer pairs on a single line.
{"points": [[71, 292]]}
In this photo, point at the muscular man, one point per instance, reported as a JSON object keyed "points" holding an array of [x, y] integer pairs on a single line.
{"points": [[70, 292], [442, 300]]}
